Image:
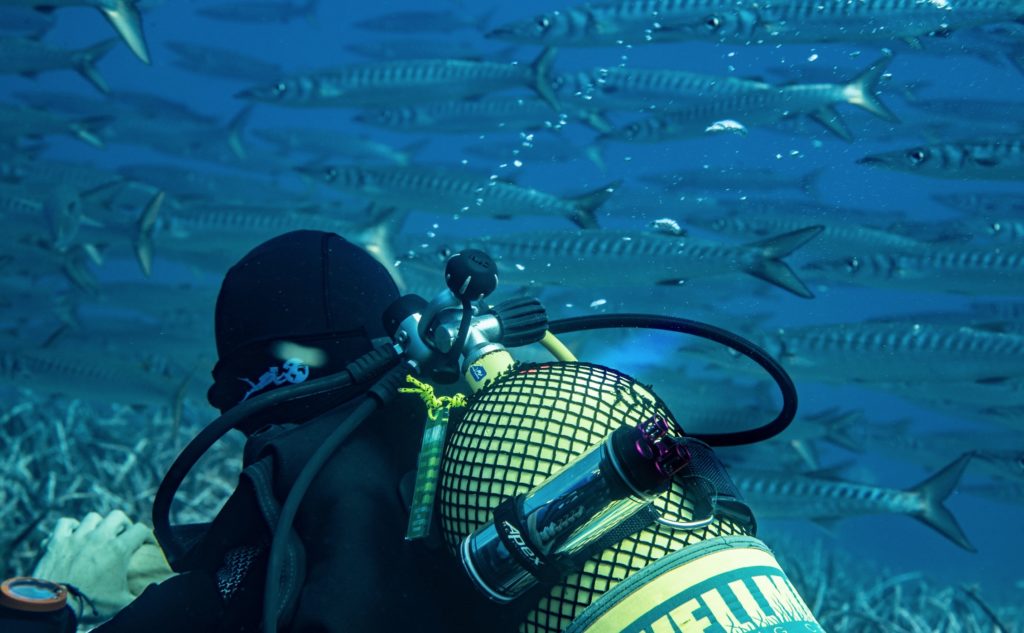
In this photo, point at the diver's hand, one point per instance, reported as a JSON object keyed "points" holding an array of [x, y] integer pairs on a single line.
{"points": [[98, 555]]}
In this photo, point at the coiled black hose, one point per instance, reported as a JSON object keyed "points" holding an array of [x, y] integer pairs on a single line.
{"points": [[712, 333]]}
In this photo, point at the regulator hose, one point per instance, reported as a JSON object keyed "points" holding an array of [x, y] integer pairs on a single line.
{"points": [[368, 367], [712, 333]]}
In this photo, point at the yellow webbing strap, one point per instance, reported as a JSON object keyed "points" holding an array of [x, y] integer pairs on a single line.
{"points": [[434, 402], [428, 464]]}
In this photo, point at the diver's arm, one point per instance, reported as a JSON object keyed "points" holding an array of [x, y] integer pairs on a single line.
{"points": [[109, 560], [186, 602]]}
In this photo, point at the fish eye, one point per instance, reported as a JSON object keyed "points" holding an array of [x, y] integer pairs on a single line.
{"points": [[280, 88], [543, 22], [713, 22], [330, 174], [852, 265], [916, 156], [995, 228]]}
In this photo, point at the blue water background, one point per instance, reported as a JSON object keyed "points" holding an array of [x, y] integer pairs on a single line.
{"points": [[900, 542]]}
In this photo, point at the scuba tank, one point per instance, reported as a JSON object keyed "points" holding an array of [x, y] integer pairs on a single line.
{"points": [[553, 470]]}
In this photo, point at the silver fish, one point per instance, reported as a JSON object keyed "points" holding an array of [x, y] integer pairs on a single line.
{"points": [[25, 21], [735, 180], [102, 378], [651, 89], [452, 191], [260, 11], [216, 238], [984, 204], [1012, 494], [792, 21], [971, 109], [764, 107], [29, 57], [328, 144], [985, 159], [186, 185], [421, 21], [185, 138], [533, 147], [119, 105], [900, 351], [411, 48], [169, 303], [31, 171], [837, 236], [123, 15], [483, 115], [785, 495], [605, 258], [18, 122], [928, 448], [610, 23], [214, 61], [971, 271], [406, 81]]}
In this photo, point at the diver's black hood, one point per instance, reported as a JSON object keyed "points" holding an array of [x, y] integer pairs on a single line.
{"points": [[311, 288]]}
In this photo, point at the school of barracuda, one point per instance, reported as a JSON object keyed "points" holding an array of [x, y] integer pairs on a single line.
{"points": [[103, 361]]}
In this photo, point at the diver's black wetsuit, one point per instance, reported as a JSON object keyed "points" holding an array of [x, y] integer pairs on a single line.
{"points": [[356, 572], [360, 572]]}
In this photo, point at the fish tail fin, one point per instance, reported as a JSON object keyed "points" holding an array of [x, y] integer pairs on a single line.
{"points": [[377, 237], [76, 269], [862, 90], [310, 9], [839, 427], [806, 451], [236, 127], [85, 63], [406, 154], [810, 183], [67, 310], [144, 233], [769, 265], [540, 70], [177, 403], [829, 118], [586, 205], [596, 156], [482, 23], [936, 489], [89, 129], [1016, 56], [597, 121], [124, 16]]}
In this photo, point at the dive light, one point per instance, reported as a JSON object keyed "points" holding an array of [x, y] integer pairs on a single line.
{"points": [[599, 498], [34, 605]]}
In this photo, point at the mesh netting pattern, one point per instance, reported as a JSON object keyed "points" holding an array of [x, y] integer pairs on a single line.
{"points": [[527, 424]]}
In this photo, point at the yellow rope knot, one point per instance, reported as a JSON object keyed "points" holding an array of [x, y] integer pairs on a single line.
{"points": [[434, 403]]}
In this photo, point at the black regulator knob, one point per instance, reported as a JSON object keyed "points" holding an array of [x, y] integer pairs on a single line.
{"points": [[471, 274], [401, 309], [523, 321]]}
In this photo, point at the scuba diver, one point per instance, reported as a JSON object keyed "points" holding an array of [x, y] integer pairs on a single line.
{"points": [[559, 496], [298, 307]]}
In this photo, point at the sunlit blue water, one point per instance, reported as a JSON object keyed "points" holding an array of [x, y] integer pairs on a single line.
{"points": [[900, 542]]}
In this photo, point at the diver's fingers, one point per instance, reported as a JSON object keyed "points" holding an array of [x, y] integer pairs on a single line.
{"points": [[112, 525], [64, 529], [88, 524], [133, 538]]}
